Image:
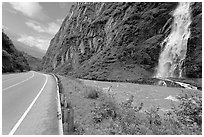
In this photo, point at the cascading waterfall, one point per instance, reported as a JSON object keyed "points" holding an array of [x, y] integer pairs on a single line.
{"points": [[175, 45]]}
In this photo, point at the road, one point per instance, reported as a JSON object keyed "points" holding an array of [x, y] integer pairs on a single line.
{"points": [[29, 104]]}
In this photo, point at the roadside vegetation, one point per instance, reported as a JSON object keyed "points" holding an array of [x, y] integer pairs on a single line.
{"points": [[98, 113], [128, 119]]}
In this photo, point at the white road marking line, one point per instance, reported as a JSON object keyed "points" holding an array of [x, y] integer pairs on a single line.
{"points": [[28, 109], [14, 78], [18, 83]]}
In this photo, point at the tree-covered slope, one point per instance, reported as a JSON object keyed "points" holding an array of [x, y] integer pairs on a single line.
{"points": [[12, 59]]}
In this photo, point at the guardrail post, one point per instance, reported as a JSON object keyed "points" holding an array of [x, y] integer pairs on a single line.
{"points": [[68, 118], [71, 120], [62, 99]]}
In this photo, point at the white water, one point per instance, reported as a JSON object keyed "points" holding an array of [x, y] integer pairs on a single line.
{"points": [[175, 45]]}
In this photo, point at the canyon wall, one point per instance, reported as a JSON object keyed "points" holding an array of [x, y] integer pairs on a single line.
{"points": [[119, 40]]}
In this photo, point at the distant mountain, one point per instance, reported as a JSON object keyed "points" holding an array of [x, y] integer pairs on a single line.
{"points": [[120, 40], [33, 51], [34, 63], [12, 59]]}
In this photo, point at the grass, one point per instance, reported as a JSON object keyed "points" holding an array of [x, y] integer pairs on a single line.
{"points": [[98, 113], [128, 120]]}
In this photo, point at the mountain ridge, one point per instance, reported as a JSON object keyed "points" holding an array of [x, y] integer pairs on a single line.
{"points": [[14, 60], [33, 51], [119, 40]]}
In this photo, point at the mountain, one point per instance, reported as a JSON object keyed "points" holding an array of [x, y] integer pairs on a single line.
{"points": [[119, 41], [34, 63], [12, 59], [33, 51], [15, 60]]}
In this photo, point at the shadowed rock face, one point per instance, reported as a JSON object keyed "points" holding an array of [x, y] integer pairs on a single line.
{"points": [[118, 40], [12, 59], [193, 62]]}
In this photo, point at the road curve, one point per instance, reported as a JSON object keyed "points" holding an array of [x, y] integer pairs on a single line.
{"points": [[29, 105]]}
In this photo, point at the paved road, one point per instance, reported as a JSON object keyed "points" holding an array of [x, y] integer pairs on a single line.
{"points": [[29, 104]]}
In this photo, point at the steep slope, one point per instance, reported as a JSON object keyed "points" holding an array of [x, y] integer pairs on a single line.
{"points": [[33, 51], [193, 62], [34, 63], [12, 59], [118, 40]]}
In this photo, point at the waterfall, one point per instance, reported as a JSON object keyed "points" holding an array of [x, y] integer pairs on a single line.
{"points": [[174, 47]]}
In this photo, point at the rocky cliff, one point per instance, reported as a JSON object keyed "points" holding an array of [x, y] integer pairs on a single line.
{"points": [[116, 41], [12, 59]]}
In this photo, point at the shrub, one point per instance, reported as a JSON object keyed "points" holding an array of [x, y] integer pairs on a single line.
{"points": [[92, 93], [189, 112], [107, 108], [126, 119]]}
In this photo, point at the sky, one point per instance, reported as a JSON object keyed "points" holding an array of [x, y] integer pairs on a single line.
{"points": [[33, 24]]}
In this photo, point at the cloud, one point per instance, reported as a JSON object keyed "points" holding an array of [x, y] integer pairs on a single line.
{"points": [[59, 21], [51, 27], [32, 41], [35, 26], [62, 4], [30, 9], [4, 27]]}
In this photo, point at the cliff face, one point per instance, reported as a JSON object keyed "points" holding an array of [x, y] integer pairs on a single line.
{"points": [[12, 59], [193, 62], [118, 40]]}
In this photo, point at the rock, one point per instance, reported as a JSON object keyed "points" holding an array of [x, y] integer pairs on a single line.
{"points": [[193, 61], [98, 39]]}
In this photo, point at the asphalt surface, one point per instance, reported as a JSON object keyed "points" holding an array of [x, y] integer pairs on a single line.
{"points": [[29, 104]]}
